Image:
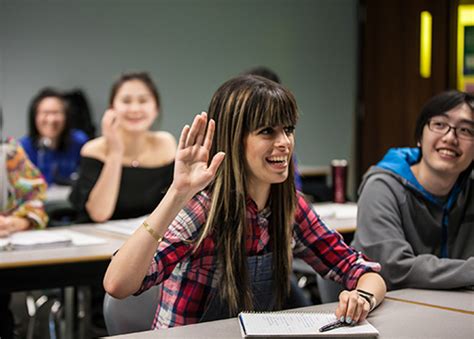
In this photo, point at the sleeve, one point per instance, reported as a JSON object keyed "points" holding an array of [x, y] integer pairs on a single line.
{"points": [[380, 235], [176, 246], [29, 188], [89, 171], [326, 251]]}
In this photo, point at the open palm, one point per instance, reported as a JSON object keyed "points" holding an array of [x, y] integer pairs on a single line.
{"points": [[192, 172]]}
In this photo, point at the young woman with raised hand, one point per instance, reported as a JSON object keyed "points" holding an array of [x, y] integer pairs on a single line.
{"points": [[125, 172], [223, 238]]}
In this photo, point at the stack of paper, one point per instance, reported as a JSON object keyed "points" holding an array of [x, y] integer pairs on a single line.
{"points": [[40, 239], [126, 226], [336, 211]]}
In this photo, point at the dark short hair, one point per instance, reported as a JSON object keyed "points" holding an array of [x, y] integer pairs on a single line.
{"points": [[33, 132], [264, 72], [144, 77], [441, 104]]}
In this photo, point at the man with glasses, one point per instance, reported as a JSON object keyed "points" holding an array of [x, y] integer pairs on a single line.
{"points": [[416, 206]]}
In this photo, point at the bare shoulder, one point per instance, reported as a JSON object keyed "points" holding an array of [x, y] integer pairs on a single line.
{"points": [[165, 144], [94, 148]]}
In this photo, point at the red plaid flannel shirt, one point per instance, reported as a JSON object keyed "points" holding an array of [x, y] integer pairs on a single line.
{"points": [[187, 278]]}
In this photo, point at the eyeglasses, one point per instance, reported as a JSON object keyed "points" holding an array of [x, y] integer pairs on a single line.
{"points": [[441, 127]]}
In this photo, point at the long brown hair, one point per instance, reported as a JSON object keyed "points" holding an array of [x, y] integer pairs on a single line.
{"points": [[240, 106]]}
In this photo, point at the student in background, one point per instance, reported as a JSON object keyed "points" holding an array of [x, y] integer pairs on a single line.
{"points": [[125, 172], [79, 111], [22, 193], [51, 144], [223, 237], [416, 206]]}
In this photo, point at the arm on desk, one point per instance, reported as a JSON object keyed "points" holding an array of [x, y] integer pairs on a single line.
{"points": [[380, 236], [129, 266]]}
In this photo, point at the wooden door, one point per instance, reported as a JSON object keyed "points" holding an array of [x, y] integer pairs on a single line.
{"points": [[391, 90]]}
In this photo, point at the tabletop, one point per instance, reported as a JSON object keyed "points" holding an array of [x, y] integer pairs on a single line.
{"points": [[393, 319]]}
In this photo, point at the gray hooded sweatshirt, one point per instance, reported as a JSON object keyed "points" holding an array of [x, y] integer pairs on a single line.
{"points": [[420, 240]]}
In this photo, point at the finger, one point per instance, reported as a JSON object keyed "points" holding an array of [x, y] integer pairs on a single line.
{"points": [[183, 137], [365, 311], [361, 302], [342, 307], [191, 140], [108, 118], [351, 307], [202, 131], [338, 312], [216, 162], [210, 134]]}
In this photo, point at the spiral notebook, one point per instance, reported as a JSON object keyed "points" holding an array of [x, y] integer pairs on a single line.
{"points": [[298, 324]]}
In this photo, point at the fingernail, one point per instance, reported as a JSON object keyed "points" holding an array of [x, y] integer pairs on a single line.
{"points": [[353, 323], [341, 319], [348, 320]]}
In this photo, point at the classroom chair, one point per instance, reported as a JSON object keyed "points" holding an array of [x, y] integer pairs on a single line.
{"points": [[328, 290], [132, 314]]}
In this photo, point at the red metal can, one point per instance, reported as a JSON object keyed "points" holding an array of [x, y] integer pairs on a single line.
{"points": [[339, 180]]}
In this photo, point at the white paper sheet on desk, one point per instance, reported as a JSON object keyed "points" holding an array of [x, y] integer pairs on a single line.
{"points": [[337, 211], [39, 239], [125, 226]]}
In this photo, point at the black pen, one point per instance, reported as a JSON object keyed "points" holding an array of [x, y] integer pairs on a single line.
{"points": [[333, 325]]}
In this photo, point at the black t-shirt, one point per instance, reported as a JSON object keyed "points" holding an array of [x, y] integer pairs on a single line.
{"points": [[141, 189]]}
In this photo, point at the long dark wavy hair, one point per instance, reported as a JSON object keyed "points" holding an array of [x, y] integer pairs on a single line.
{"points": [[240, 106]]}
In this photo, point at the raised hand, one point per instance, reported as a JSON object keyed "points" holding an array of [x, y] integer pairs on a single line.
{"points": [[192, 172], [110, 131]]}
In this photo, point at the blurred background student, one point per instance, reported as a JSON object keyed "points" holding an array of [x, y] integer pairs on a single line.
{"points": [[79, 111], [416, 206], [125, 172], [51, 144], [22, 193]]}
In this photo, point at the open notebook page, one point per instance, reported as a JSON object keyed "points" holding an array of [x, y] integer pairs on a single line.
{"points": [[296, 324]]}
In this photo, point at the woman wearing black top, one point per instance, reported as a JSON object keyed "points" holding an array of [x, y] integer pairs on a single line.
{"points": [[126, 172]]}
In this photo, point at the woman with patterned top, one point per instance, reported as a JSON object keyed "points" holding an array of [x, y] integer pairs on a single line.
{"points": [[22, 192], [223, 237]]}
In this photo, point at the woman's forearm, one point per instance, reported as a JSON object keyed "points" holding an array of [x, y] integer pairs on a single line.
{"points": [[129, 266], [103, 197], [373, 283]]}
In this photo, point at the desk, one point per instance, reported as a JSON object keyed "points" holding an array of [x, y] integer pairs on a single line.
{"points": [[393, 319], [22, 270], [455, 300]]}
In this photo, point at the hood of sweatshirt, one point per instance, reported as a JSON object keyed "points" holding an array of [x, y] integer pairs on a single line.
{"points": [[398, 161]]}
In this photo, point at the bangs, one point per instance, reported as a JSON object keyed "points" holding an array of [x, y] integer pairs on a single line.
{"points": [[270, 107]]}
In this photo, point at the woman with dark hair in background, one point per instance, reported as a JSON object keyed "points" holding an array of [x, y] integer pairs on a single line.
{"points": [[224, 236], [416, 206], [125, 172], [51, 144]]}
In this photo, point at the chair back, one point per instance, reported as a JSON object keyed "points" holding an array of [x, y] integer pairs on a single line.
{"points": [[132, 314], [328, 290]]}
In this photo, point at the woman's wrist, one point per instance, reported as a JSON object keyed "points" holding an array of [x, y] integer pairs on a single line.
{"points": [[369, 297], [19, 223]]}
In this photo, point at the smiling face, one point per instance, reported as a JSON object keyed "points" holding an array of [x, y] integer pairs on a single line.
{"points": [[50, 118], [268, 152], [135, 105], [447, 155]]}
